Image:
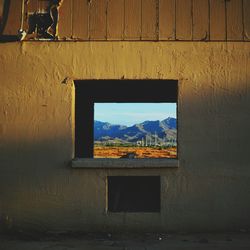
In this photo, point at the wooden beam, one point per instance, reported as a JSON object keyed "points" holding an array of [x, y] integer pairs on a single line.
{"points": [[149, 20], [200, 20], [246, 14], [167, 19], [115, 22], [217, 20], [132, 20], [80, 19], [234, 20], [183, 20], [98, 20], [65, 20]]}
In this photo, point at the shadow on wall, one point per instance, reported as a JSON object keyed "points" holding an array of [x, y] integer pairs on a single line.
{"points": [[23, 155], [40, 188], [213, 122], [35, 177]]}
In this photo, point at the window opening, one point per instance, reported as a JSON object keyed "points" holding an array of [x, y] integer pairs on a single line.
{"points": [[91, 93], [135, 130]]}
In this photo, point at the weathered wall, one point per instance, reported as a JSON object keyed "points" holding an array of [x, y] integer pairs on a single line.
{"points": [[210, 20], [38, 189]]}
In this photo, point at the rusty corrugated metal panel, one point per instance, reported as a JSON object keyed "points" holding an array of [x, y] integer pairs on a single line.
{"points": [[200, 19], [80, 19], [4, 10], [98, 19], [13, 22], [132, 28], [32, 6], [183, 19], [1, 8], [65, 20], [217, 20], [234, 20], [246, 14], [167, 19], [115, 21], [149, 20]]}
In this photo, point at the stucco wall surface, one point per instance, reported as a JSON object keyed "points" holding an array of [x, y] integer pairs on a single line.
{"points": [[40, 191]]}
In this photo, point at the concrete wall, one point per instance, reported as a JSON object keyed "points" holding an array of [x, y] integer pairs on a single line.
{"points": [[38, 189]]}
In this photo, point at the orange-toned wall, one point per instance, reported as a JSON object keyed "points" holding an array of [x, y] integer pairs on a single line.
{"points": [[40, 191], [153, 20]]}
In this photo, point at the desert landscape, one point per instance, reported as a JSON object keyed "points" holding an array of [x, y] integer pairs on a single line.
{"points": [[134, 152], [148, 139]]}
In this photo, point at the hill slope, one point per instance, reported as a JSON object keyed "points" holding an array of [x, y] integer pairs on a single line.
{"points": [[150, 130]]}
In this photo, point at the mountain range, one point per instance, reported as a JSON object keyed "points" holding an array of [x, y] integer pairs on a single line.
{"points": [[152, 130]]}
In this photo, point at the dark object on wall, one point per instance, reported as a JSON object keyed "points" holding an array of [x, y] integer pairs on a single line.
{"points": [[134, 194], [39, 24], [45, 24]]}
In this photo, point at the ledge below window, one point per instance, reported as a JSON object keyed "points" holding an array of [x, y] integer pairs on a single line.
{"points": [[124, 163]]}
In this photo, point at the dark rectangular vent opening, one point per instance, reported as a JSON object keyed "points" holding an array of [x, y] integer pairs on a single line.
{"points": [[134, 193]]}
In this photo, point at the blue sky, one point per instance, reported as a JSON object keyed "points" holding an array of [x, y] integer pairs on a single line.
{"points": [[132, 113]]}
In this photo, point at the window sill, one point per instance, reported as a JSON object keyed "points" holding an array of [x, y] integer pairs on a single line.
{"points": [[124, 163]]}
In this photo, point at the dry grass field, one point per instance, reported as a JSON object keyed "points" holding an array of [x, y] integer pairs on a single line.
{"points": [[141, 152]]}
